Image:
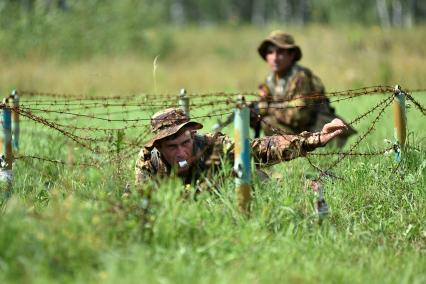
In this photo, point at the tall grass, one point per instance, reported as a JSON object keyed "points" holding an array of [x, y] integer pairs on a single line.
{"points": [[68, 224], [81, 229], [65, 224]]}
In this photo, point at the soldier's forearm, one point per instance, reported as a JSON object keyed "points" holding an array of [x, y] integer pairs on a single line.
{"points": [[311, 140], [275, 149]]}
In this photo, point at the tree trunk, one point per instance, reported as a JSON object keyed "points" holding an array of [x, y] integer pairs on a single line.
{"points": [[243, 10], [284, 11], [177, 12], [28, 5], [396, 13], [63, 5], [382, 11], [409, 15], [301, 12], [258, 12]]}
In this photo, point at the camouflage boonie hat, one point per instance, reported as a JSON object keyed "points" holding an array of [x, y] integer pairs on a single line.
{"points": [[168, 122], [282, 40]]}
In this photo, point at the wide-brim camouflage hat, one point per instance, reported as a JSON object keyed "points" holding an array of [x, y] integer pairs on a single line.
{"points": [[168, 122], [281, 40]]}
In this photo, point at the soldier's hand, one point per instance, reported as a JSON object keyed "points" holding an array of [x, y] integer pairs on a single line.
{"points": [[263, 91], [331, 130]]}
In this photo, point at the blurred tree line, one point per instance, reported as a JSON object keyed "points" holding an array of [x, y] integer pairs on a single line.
{"points": [[299, 12], [386, 13], [83, 28]]}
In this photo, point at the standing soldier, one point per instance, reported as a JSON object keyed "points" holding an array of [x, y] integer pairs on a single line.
{"points": [[292, 98], [177, 148]]}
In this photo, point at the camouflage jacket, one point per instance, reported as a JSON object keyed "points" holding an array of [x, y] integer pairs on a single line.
{"points": [[296, 99], [212, 149]]}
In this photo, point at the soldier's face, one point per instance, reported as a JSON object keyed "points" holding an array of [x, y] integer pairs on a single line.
{"points": [[278, 59], [178, 151]]}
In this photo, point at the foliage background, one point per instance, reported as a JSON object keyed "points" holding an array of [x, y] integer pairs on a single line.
{"points": [[65, 224]]}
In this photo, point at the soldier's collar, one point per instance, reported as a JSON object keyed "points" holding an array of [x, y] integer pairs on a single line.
{"points": [[284, 75]]}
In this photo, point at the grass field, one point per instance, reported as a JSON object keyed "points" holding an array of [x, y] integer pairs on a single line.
{"points": [[224, 59], [72, 225]]}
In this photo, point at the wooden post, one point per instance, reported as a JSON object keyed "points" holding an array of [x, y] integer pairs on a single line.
{"points": [[400, 121], [242, 156], [15, 120], [184, 101], [6, 159]]}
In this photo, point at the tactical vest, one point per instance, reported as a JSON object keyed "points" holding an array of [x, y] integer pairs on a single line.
{"points": [[278, 88]]}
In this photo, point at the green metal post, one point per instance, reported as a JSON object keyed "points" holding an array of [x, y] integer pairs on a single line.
{"points": [[184, 101], [6, 159], [15, 120], [7, 134], [242, 156], [400, 121]]}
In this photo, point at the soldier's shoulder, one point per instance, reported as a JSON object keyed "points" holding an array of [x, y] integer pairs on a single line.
{"points": [[200, 140], [216, 139], [307, 72], [210, 138], [149, 159], [304, 75], [144, 154], [219, 137], [300, 70], [143, 159]]}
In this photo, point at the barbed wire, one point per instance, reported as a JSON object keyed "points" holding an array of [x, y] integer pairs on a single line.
{"points": [[350, 94], [385, 101], [94, 129], [86, 105], [417, 91], [360, 138], [363, 90], [104, 118], [358, 154], [88, 100], [165, 96], [102, 142], [55, 161], [341, 155], [417, 104]]}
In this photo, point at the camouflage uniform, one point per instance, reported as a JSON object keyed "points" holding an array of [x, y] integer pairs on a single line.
{"points": [[210, 150], [296, 101], [290, 105]]}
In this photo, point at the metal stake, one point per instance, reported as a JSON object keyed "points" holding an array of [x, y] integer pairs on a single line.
{"points": [[242, 156], [184, 101], [400, 121], [6, 159], [15, 120]]}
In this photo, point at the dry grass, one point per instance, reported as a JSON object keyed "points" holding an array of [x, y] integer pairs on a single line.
{"points": [[225, 59]]}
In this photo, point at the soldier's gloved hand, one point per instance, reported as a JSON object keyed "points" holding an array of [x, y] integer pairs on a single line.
{"points": [[331, 130]]}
